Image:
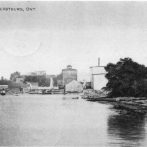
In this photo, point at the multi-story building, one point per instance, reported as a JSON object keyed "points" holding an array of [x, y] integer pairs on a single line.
{"points": [[98, 80], [69, 74]]}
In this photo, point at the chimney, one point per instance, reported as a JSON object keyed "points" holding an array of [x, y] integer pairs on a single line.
{"points": [[98, 61]]}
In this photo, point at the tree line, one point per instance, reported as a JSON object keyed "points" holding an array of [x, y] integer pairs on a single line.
{"points": [[126, 78]]}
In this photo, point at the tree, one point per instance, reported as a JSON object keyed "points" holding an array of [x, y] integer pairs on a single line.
{"points": [[41, 80], [55, 81], [14, 75], [126, 78], [31, 79], [2, 78]]}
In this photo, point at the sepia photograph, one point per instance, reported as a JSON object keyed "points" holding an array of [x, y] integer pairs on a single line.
{"points": [[73, 73]]}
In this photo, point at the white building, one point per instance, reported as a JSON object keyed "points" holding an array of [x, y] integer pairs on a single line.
{"points": [[98, 80], [74, 86], [37, 73], [41, 73]]}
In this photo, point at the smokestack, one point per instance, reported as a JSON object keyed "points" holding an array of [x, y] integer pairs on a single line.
{"points": [[98, 61]]}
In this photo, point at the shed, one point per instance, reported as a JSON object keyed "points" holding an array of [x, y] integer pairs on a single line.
{"points": [[74, 86], [3, 86]]}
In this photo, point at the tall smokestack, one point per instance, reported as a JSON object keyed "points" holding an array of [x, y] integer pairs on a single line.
{"points": [[98, 61]]}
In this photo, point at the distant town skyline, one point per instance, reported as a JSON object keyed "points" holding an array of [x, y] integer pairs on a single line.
{"points": [[56, 34]]}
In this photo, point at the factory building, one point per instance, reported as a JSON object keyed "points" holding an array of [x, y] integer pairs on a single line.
{"points": [[98, 79], [69, 74]]}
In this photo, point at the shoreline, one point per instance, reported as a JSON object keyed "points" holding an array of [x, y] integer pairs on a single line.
{"points": [[138, 105]]}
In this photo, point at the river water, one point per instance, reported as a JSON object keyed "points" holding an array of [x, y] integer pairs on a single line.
{"points": [[57, 120]]}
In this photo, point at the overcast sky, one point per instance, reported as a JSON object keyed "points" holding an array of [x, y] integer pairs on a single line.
{"points": [[56, 34]]}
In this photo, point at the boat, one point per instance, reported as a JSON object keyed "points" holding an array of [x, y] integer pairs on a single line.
{"points": [[3, 92], [75, 98], [47, 91]]}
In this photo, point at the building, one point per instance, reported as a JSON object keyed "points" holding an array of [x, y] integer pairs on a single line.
{"points": [[20, 80], [41, 73], [3, 87], [32, 74], [69, 74], [37, 73], [98, 80], [74, 86]]}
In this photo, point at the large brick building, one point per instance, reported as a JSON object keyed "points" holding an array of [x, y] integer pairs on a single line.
{"points": [[69, 74]]}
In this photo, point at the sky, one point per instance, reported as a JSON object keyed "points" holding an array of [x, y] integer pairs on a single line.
{"points": [[56, 34]]}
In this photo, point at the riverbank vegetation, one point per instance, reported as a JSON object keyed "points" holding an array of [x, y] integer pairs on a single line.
{"points": [[126, 78]]}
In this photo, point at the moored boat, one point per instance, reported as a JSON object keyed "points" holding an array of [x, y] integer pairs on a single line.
{"points": [[3, 92]]}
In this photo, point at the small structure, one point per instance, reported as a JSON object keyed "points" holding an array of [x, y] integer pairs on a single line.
{"points": [[19, 79], [3, 87], [74, 86]]}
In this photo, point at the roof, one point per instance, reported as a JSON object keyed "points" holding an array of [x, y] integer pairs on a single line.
{"points": [[74, 86], [96, 66], [69, 67], [3, 86]]}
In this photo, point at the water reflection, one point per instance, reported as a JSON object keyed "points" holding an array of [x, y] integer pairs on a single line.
{"points": [[129, 128], [8, 127], [51, 120]]}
